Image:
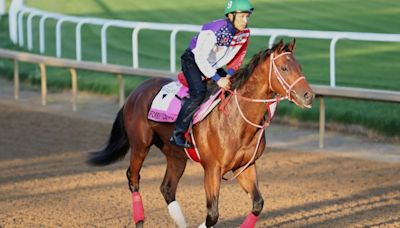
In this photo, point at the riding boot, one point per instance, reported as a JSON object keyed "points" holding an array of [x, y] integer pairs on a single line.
{"points": [[197, 91], [182, 124]]}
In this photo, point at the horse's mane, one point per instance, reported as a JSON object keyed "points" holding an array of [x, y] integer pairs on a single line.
{"points": [[240, 77]]}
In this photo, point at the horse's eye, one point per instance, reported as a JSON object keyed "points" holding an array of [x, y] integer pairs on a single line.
{"points": [[284, 68]]}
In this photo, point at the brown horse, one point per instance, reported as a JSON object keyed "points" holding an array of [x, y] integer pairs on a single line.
{"points": [[226, 142]]}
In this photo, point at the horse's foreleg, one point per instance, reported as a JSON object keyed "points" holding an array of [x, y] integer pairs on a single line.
{"points": [[212, 182], [138, 154], [175, 169], [248, 180]]}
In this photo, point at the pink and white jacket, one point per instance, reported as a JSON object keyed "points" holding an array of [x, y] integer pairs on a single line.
{"points": [[219, 44]]}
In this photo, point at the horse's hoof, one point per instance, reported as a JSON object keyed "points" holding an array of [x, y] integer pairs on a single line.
{"points": [[139, 224]]}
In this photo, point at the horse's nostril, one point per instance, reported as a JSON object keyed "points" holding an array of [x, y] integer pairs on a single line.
{"points": [[308, 96]]}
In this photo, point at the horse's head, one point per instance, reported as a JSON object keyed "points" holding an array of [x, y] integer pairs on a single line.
{"points": [[286, 77]]}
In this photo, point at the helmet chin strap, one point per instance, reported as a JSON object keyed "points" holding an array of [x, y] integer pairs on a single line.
{"points": [[233, 20]]}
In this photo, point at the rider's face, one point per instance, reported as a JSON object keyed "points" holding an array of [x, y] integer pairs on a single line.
{"points": [[241, 20]]}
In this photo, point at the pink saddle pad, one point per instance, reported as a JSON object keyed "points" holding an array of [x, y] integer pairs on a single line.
{"points": [[168, 102]]}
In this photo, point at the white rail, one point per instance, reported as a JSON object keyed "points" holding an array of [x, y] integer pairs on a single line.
{"points": [[43, 61], [78, 36], [2, 7], [18, 11], [121, 24]]}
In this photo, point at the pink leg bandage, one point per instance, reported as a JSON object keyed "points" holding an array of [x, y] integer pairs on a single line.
{"points": [[137, 207], [250, 221]]}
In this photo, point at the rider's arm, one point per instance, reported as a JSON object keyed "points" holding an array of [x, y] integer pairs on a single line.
{"points": [[205, 43]]}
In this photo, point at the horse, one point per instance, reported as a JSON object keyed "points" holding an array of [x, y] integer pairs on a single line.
{"points": [[227, 141]]}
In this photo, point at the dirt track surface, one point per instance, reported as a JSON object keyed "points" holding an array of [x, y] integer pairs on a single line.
{"points": [[44, 181]]}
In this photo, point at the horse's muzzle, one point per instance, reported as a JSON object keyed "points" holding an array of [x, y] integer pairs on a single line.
{"points": [[304, 100], [308, 98]]}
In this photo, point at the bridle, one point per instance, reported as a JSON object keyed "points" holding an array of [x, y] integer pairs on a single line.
{"points": [[285, 85], [288, 89]]}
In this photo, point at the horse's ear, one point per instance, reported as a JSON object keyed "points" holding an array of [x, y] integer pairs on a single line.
{"points": [[292, 45], [281, 46]]}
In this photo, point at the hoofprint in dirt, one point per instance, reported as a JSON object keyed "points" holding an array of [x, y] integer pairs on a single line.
{"points": [[45, 182]]}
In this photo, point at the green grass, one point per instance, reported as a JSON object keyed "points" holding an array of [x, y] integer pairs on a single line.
{"points": [[361, 64]]}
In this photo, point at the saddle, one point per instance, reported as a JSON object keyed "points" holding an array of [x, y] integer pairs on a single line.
{"points": [[168, 102]]}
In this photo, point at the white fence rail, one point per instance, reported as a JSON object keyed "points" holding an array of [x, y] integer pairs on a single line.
{"points": [[18, 11], [2, 7], [73, 65]]}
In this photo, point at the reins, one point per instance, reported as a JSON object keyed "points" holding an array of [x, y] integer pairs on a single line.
{"points": [[288, 89]]}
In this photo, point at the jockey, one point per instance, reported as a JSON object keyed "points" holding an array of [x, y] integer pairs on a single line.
{"points": [[219, 43]]}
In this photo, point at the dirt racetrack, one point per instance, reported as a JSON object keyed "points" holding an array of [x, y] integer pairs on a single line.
{"points": [[44, 181]]}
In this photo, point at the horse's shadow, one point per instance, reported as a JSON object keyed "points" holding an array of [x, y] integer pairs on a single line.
{"points": [[360, 206]]}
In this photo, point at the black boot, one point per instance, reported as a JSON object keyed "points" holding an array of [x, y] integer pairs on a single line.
{"points": [[178, 139], [182, 124]]}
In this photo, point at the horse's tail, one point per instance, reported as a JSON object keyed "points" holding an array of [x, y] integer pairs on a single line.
{"points": [[117, 146]]}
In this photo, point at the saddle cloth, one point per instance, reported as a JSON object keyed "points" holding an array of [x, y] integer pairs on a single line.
{"points": [[167, 104]]}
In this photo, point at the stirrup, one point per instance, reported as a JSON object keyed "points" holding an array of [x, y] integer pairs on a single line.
{"points": [[180, 142]]}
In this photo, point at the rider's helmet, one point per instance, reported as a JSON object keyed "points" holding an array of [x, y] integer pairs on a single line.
{"points": [[239, 6]]}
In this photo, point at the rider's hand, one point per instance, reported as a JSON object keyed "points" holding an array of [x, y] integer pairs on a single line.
{"points": [[224, 83]]}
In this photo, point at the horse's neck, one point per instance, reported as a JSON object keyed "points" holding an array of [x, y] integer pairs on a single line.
{"points": [[256, 87]]}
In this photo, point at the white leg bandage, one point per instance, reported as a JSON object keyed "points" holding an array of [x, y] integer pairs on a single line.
{"points": [[203, 225], [176, 214]]}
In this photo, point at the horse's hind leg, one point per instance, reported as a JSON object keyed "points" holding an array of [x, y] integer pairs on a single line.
{"points": [[248, 180], [175, 168], [138, 154]]}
